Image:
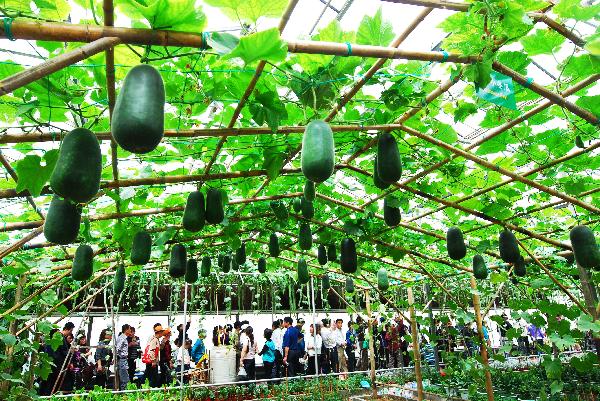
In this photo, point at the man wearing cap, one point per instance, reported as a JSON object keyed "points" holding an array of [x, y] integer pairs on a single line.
{"points": [[122, 354], [152, 355]]}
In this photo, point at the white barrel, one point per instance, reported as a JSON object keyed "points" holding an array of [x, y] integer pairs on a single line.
{"points": [[222, 365]]}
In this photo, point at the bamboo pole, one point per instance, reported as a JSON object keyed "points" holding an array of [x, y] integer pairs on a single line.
{"points": [[436, 281], [464, 7], [259, 69], [508, 181], [415, 341], [472, 212], [343, 300], [6, 138], [484, 354], [34, 294], [172, 179], [551, 96], [491, 303], [22, 78], [146, 212], [52, 309], [12, 329], [88, 299], [382, 295], [371, 346], [503, 171], [18, 244], [377, 65], [554, 280]]}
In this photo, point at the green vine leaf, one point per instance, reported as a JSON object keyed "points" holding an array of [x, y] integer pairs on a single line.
{"points": [[265, 45], [249, 10], [574, 9], [374, 30], [178, 15], [33, 174]]}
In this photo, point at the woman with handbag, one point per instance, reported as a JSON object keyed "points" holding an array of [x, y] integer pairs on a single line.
{"points": [[249, 350]]}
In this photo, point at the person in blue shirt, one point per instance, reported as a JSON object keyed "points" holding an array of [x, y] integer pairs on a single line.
{"points": [[291, 347], [268, 354], [351, 346], [199, 349]]}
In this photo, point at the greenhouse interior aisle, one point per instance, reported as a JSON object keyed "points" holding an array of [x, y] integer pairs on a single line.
{"points": [[299, 200]]}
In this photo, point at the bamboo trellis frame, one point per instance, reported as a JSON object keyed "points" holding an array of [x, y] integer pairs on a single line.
{"points": [[21, 29]]}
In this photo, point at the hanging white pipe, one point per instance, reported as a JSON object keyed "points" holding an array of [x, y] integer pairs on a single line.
{"points": [[181, 345], [314, 316]]}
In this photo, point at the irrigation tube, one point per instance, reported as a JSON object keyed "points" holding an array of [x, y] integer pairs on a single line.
{"points": [[280, 379]]}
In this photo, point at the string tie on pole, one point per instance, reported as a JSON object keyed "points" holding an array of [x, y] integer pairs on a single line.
{"points": [[349, 49], [8, 28], [528, 82], [445, 56]]}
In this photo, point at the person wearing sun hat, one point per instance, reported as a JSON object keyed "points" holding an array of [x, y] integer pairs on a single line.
{"points": [[151, 356], [166, 357]]}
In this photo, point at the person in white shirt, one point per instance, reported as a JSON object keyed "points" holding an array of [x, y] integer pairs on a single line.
{"points": [[329, 359], [313, 343], [249, 350], [277, 338], [182, 355], [340, 344]]}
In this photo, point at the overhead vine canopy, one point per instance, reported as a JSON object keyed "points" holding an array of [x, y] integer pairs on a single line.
{"points": [[496, 124]]}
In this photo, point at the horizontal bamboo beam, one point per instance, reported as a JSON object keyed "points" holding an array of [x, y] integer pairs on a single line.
{"points": [[504, 182], [20, 79], [145, 212], [6, 138], [168, 179], [18, 244], [482, 162]]}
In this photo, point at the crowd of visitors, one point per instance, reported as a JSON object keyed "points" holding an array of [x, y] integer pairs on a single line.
{"points": [[288, 349]]}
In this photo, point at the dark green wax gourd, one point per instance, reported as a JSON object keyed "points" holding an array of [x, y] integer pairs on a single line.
{"points": [[178, 262], [235, 266], [391, 215], [240, 254], [322, 255], [348, 260], [520, 268], [205, 266], [305, 237], [279, 210], [220, 260], [262, 265], [76, 174], [226, 263], [137, 124], [376, 179], [191, 271], [455, 243], [307, 207], [303, 276], [325, 284], [383, 283], [214, 213], [509, 249], [318, 152], [141, 248], [389, 163], [193, 215], [62, 221], [83, 263], [480, 270], [309, 191], [585, 248], [297, 205], [274, 245], [349, 285], [119, 280], [331, 253]]}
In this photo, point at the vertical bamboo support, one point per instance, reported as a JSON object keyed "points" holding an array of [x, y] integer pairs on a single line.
{"points": [[12, 329], [371, 345], [415, 340], [484, 355], [432, 326]]}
